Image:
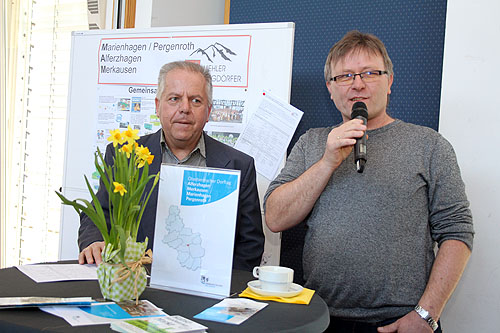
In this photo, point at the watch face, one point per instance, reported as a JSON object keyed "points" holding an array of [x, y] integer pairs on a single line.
{"points": [[422, 312]]}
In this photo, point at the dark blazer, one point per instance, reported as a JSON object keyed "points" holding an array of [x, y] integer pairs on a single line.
{"points": [[249, 238]]}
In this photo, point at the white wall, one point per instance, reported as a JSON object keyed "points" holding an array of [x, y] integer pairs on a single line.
{"points": [[470, 120], [168, 13], [143, 12]]}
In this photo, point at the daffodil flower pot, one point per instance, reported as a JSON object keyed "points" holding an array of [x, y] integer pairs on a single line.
{"points": [[121, 275], [119, 282]]}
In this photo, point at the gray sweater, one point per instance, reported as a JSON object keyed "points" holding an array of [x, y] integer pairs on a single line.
{"points": [[369, 247]]}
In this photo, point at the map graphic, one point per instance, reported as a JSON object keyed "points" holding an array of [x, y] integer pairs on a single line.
{"points": [[183, 240]]}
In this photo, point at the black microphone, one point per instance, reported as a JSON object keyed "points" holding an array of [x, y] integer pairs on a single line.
{"points": [[359, 111]]}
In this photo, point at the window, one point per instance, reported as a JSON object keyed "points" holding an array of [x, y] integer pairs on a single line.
{"points": [[38, 47]]}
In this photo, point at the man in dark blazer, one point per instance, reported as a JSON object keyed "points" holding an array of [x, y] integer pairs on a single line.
{"points": [[183, 104]]}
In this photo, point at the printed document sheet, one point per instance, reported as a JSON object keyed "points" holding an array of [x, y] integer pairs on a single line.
{"points": [[231, 310], [268, 134], [105, 313], [59, 272]]}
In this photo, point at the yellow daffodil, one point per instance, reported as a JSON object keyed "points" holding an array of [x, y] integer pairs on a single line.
{"points": [[119, 188], [130, 135], [150, 159], [144, 155], [116, 137], [127, 149], [142, 151]]}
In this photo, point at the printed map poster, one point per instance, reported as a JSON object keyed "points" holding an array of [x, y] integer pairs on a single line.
{"points": [[194, 231], [127, 76]]}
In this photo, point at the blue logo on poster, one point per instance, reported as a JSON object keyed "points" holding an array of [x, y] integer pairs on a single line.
{"points": [[204, 187]]}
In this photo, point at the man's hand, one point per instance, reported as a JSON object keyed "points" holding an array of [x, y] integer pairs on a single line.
{"points": [[341, 140], [410, 323], [91, 254]]}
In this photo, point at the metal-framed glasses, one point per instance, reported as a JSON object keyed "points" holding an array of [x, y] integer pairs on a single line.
{"points": [[348, 79]]}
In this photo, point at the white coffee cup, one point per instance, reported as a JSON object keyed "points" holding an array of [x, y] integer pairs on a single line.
{"points": [[274, 278]]}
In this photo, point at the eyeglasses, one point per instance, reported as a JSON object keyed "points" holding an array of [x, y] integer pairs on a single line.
{"points": [[348, 79]]}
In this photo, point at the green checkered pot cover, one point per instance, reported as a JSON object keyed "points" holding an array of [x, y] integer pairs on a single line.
{"points": [[117, 282]]}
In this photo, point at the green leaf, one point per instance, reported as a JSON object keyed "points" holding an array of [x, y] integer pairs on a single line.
{"points": [[100, 219], [99, 167], [143, 206], [131, 219], [95, 216], [123, 244]]}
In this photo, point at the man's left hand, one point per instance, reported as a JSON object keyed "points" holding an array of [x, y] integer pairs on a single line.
{"points": [[410, 323]]}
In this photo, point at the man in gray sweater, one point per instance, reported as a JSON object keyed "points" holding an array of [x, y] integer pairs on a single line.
{"points": [[369, 247]]}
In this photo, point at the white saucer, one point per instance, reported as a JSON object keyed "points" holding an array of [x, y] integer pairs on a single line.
{"points": [[294, 290]]}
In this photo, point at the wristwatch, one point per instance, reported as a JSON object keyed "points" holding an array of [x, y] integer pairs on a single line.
{"points": [[424, 314]]}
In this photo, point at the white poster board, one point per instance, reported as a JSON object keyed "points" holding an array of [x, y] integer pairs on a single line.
{"points": [[113, 78]]}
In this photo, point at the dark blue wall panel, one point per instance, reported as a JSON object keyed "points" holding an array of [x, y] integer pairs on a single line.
{"points": [[412, 30]]}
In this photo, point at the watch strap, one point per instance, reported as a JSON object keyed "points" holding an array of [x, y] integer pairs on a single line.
{"points": [[424, 314]]}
